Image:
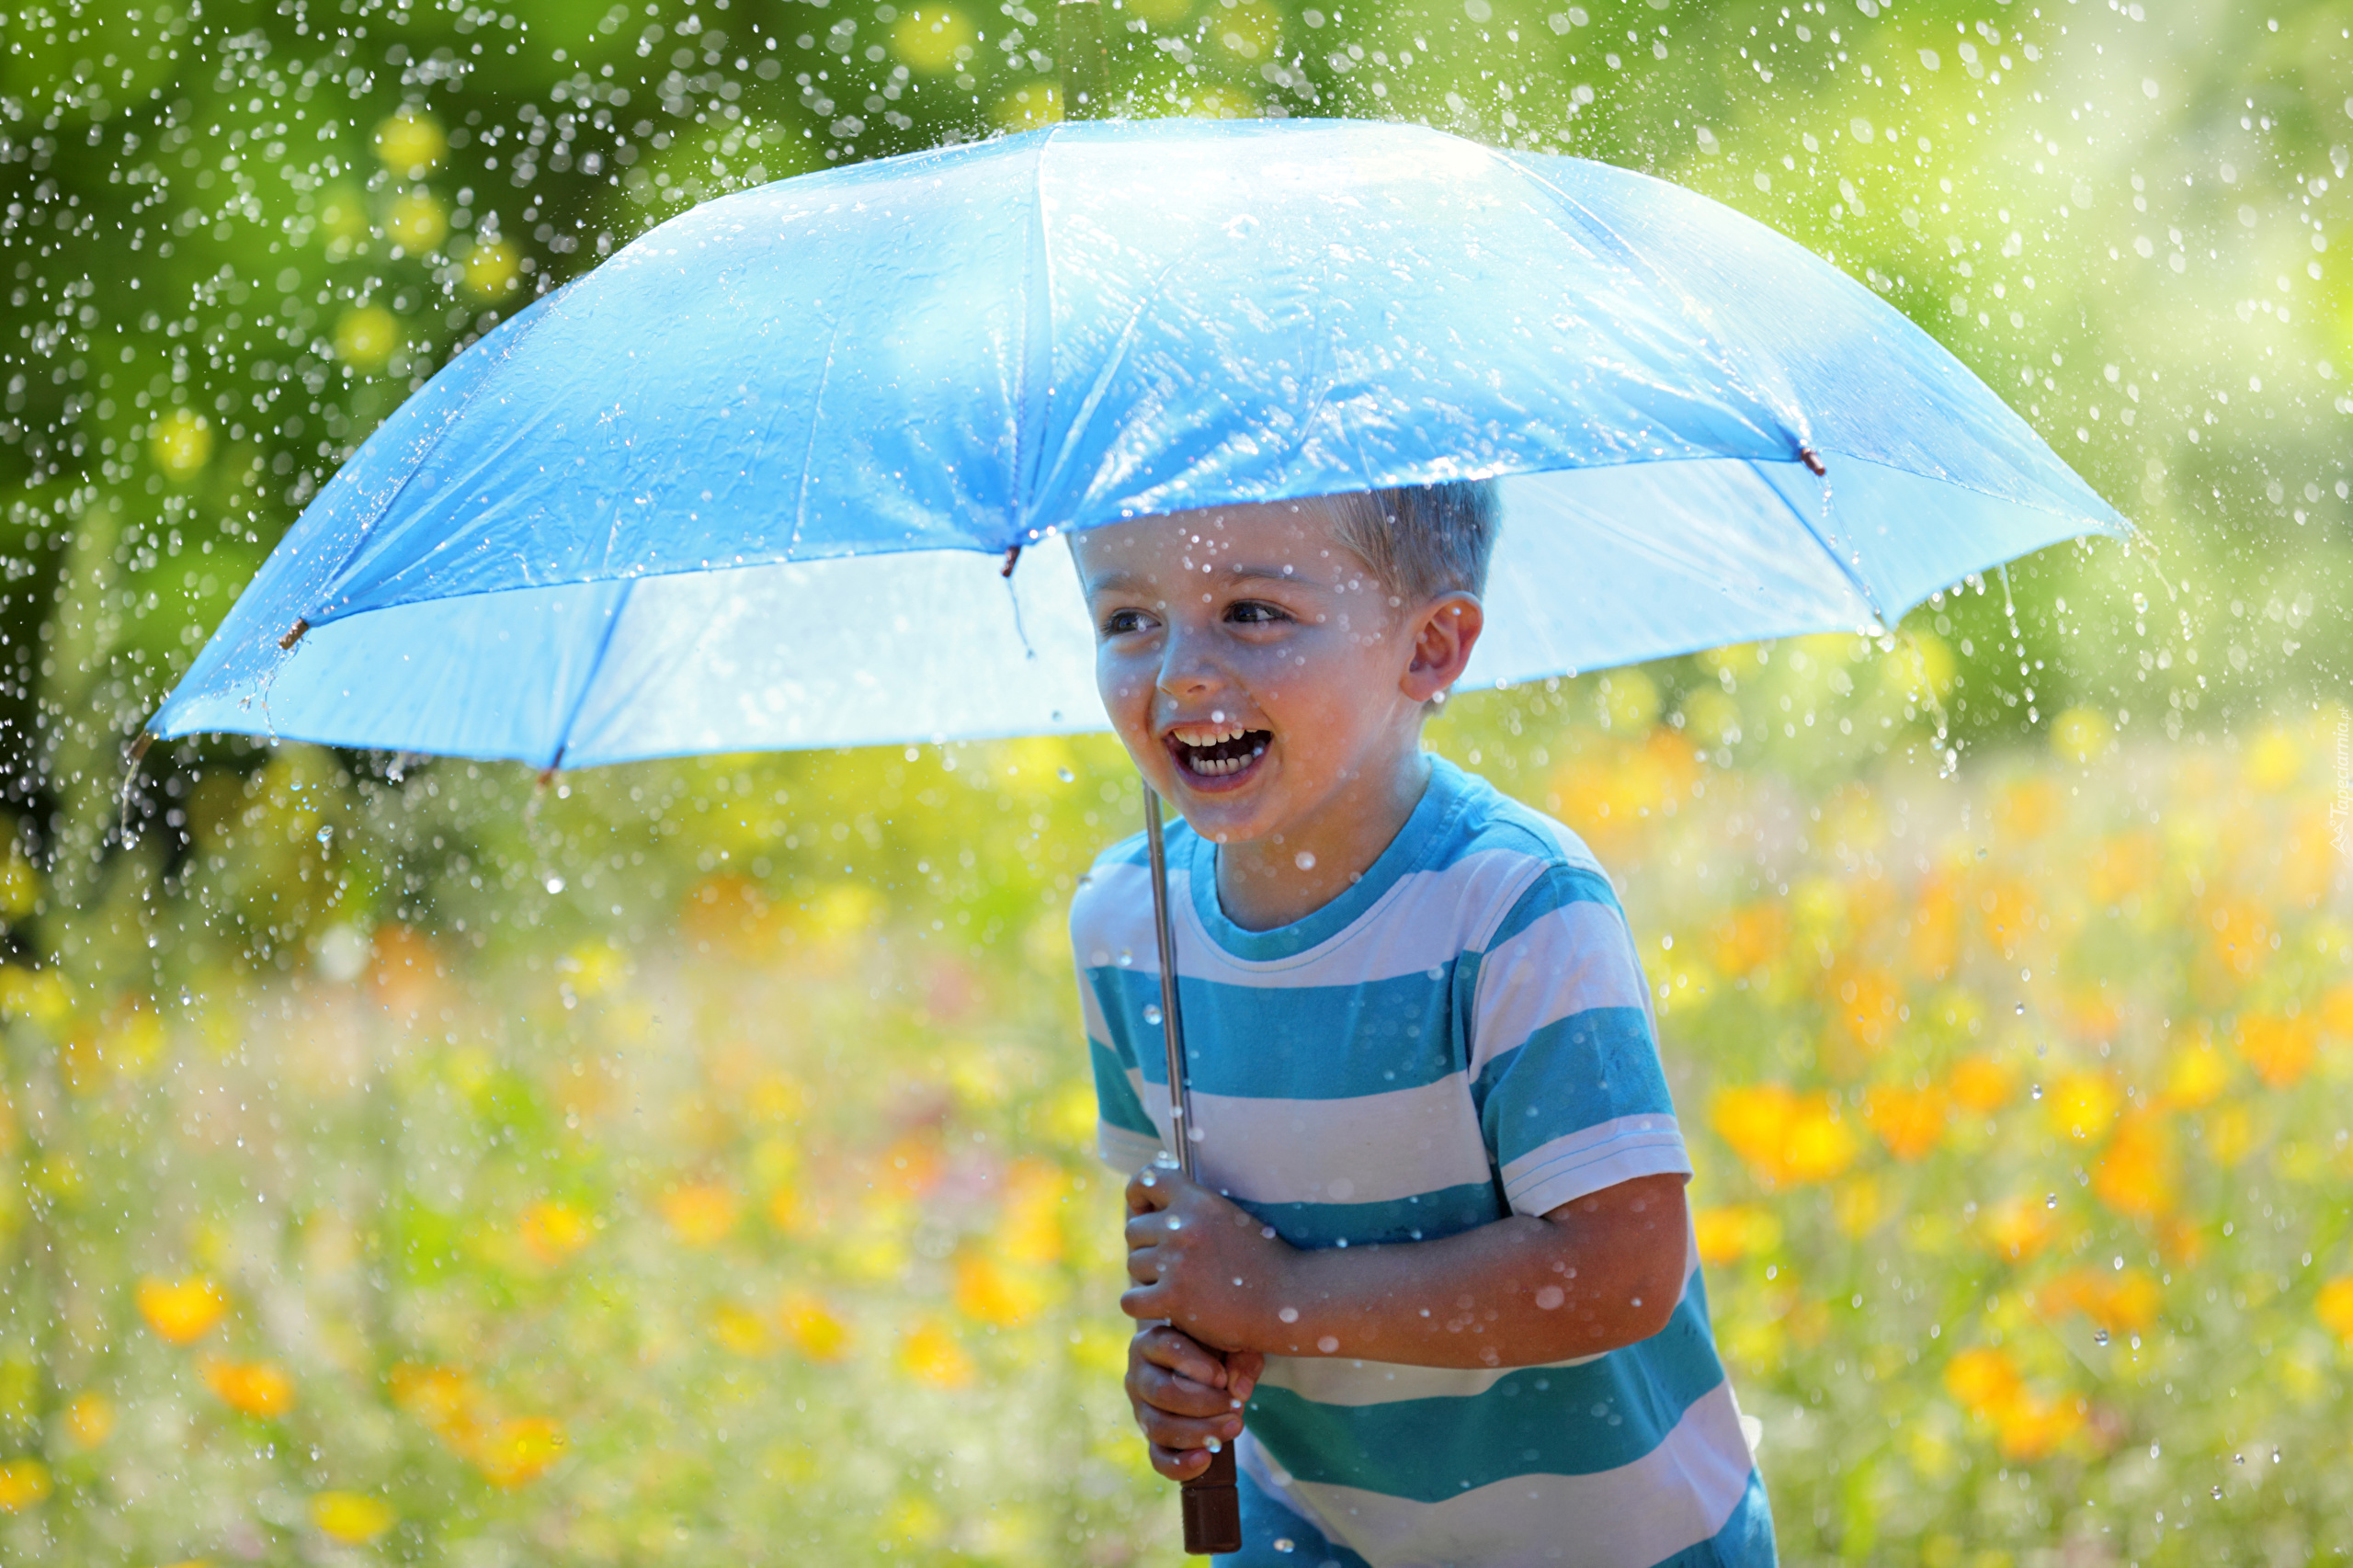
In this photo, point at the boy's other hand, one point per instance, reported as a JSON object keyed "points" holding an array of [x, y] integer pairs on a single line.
{"points": [[1201, 1262], [1185, 1395]]}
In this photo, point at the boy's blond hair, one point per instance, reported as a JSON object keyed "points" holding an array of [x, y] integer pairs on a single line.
{"points": [[1422, 540]]}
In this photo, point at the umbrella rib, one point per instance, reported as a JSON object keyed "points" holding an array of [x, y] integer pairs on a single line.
{"points": [[1854, 578], [1693, 311], [525, 327], [589, 680]]}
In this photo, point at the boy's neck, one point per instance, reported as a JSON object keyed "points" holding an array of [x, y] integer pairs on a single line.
{"points": [[1264, 883]]}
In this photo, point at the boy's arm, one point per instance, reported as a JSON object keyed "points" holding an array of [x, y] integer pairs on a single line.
{"points": [[1596, 1273]]}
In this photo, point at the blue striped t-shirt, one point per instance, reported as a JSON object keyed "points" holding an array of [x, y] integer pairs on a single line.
{"points": [[1464, 1034]]}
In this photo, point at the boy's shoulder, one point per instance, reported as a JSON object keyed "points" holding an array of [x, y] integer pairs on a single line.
{"points": [[1513, 863]]}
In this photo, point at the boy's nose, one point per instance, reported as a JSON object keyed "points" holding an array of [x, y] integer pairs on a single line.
{"points": [[1186, 671]]}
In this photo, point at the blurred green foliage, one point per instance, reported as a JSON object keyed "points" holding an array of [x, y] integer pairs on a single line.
{"points": [[687, 1161]]}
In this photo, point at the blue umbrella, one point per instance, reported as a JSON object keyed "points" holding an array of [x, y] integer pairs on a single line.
{"points": [[642, 518], [645, 516]]}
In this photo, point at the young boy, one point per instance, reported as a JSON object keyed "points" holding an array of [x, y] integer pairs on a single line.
{"points": [[1437, 1277]]}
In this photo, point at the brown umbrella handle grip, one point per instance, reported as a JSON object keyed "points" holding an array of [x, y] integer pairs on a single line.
{"points": [[1212, 1508]]}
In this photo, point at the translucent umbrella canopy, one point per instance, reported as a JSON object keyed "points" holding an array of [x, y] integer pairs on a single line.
{"points": [[752, 482]]}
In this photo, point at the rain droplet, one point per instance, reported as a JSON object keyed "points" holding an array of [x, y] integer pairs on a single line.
{"points": [[1305, 860], [1176, 1222], [1152, 1013], [1267, 1231], [2052, 1201], [2038, 1091], [1284, 1543], [1064, 774], [2099, 1336], [326, 835], [2218, 1495], [1331, 1343], [1127, 958], [1216, 1447], [1289, 1314], [555, 885]]}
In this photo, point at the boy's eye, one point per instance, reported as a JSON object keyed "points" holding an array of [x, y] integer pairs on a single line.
{"points": [[1119, 623], [1255, 612]]}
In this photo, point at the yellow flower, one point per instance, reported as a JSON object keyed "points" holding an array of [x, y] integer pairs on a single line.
{"points": [[255, 1388], [1728, 1233], [986, 1291], [366, 336], [2335, 1013], [182, 443], [2032, 1425], [2335, 1307], [2016, 1227], [931, 1354], [2081, 1106], [351, 1517], [743, 1332], [1982, 1085], [442, 1398], [1784, 1136], [514, 1453], [1983, 1379], [24, 1484], [1866, 1008], [89, 1419], [2195, 1076], [2134, 1174], [552, 1229], [814, 1331], [1750, 937], [2281, 1049], [410, 143], [701, 1213], [1910, 1122], [181, 1312]]}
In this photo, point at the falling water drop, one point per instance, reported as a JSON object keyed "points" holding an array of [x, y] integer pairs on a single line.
{"points": [[2038, 1091], [1152, 1013], [1284, 1543], [2099, 1336], [2052, 1201], [1305, 860], [1064, 774], [555, 885]]}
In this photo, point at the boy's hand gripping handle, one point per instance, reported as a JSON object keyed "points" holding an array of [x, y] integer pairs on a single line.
{"points": [[1213, 1507]]}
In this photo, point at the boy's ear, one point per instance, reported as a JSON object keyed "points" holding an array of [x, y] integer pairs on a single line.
{"points": [[1444, 635]]}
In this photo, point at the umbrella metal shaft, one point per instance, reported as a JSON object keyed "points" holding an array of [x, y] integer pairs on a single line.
{"points": [[1172, 1028]]}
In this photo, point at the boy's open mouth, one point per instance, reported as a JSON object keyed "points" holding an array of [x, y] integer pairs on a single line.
{"points": [[1216, 750]]}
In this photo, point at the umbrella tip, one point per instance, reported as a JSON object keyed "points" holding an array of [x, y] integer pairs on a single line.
{"points": [[1813, 461], [293, 635], [1011, 556]]}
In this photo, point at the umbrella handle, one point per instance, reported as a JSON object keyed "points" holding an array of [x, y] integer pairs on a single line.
{"points": [[1212, 1508]]}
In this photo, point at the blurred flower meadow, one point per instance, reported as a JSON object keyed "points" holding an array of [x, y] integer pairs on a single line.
{"points": [[714, 1183]]}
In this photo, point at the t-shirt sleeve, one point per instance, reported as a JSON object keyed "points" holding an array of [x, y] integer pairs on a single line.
{"points": [[1565, 1057], [1124, 1134]]}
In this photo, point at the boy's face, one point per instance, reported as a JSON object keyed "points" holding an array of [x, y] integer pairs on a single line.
{"points": [[1255, 667]]}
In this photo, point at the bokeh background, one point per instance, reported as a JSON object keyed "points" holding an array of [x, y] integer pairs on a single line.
{"points": [[404, 1161]]}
